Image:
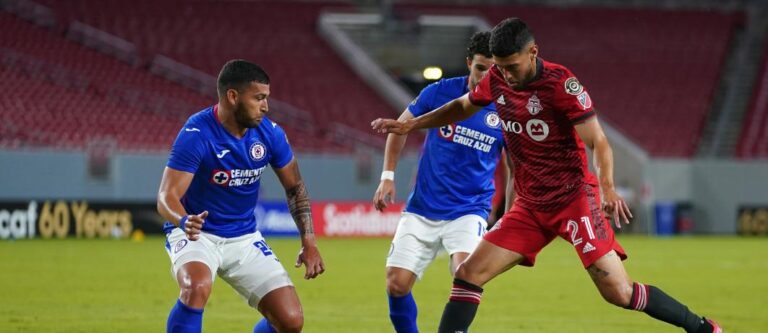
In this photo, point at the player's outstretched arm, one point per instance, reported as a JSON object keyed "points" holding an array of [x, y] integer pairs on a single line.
{"points": [[593, 136], [453, 111], [172, 187], [385, 193], [298, 204]]}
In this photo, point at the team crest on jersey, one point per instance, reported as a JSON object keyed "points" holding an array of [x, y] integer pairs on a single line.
{"points": [[573, 87], [492, 120], [220, 177], [534, 105], [179, 245], [584, 100], [257, 151], [446, 132], [537, 129]]}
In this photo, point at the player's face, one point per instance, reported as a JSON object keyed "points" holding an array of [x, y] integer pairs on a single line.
{"points": [[478, 67], [251, 105], [518, 68]]}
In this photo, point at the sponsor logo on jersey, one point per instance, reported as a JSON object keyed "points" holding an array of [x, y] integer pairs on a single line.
{"points": [[179, 245], [446, 132], [236, 177], [537, 129], [573, 87], [469, 137], [501, 101], [492, 120], [257, 151], [220, 177], [512, 126], [584, 100], [193, 129], [534, 105]]}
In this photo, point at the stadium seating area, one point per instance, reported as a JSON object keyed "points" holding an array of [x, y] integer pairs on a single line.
{"points": [[672, 58], [651, 73], [281, 36], [39, 56], [754, 133], [61, 95]]}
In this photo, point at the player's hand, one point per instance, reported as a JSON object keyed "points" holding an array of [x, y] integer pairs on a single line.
{"points": [[194, 225], [382, 125], [384, 195], [614, 205], [309, 255]]}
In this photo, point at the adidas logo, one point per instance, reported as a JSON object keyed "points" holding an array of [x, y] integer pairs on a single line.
{"points": [[588, 247], [501, 101]]}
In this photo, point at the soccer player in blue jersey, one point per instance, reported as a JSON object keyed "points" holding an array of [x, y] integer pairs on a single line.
{"points": [[451, 200], [208, 193]]}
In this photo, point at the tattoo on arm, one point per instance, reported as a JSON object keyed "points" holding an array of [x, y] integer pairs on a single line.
{"points": [[298, 203]]}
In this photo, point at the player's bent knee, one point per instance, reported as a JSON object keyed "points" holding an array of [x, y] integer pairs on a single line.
{"points": [[461, 272], [469, 274], [290, 322], [397, 288], [195, 293]]}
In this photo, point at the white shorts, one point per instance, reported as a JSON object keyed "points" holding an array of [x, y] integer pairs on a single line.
{"points": [[418, 240], [245, 262]]}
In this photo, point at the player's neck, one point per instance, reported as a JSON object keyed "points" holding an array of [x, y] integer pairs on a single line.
{"points": [[226, 117], [535, 74]]}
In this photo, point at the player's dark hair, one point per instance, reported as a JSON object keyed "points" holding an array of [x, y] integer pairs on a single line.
{"points": [[479, 43], [510, 36], [238, 73]]}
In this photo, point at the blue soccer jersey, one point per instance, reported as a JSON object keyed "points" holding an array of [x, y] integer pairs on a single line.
{"points": [[455, 176], [227, 170]]}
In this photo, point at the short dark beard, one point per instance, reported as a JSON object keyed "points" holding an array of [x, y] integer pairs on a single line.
{"points": [[241, 117], [531, 75]]}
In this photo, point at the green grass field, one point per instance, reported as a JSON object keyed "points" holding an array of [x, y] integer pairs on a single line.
{"points": [[124, 286]]}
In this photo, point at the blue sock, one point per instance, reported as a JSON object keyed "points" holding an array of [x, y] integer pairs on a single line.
{"points": [[184, 319], [402, 312], [263, 326]]}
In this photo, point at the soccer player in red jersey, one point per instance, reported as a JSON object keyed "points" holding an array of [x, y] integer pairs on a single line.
{"points": [[547, 119]]}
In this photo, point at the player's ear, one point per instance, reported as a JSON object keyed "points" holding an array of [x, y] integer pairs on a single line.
{"points": [[469, 63], [232, 96], [534, 50]]}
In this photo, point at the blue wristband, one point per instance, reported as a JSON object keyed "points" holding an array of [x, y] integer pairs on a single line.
{"points": [[183, 222]]}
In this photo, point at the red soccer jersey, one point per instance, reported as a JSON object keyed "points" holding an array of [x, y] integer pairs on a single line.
{"points": [[550, 163]]}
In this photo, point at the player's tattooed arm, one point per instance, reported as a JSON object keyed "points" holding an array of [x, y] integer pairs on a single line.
{"points": [[298, 204], [297, 196]]}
